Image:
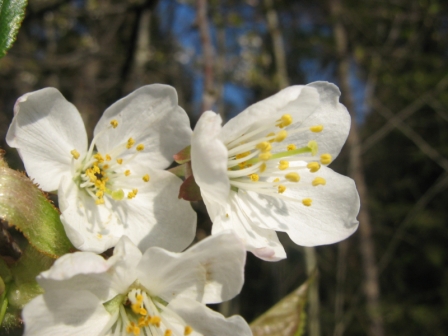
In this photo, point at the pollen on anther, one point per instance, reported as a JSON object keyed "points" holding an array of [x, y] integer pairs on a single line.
{"points": [[262, 167], [264, 146], [146, 178], [281, 136], [282, 165], [108, 158], [130, 143], [325, 159], [188, 330], [155, 320], [127, 172], [75, 154], [307, 202], [99, 201], [119, 161], [284, 121], [291, 147], [276, 180], [316, 128], [140, 147], [318, 181], [114, 123], [313, 166], [293, 177], [265, 156], [254, 177], [281, 188], [168, 332]]}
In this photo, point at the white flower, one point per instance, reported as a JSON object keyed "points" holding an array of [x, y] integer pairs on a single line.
{"points": [[265, 170], [116, 186], [157, 293]]}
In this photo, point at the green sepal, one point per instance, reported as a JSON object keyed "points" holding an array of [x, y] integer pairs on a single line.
{"points": [[25, 207], [12, 13], [183, 156], [114, 304]]}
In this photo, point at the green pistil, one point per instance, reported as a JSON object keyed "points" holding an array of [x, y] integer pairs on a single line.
{"points": [[116, 194]]}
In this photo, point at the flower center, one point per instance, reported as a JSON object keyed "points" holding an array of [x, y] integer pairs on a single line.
{"points": [[108, 175], [140, 314], [262, 161]]}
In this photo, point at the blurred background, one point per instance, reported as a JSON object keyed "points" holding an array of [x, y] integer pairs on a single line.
{"points": [[390, 60]]}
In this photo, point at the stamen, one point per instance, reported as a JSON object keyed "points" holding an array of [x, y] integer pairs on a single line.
{"points": [[284, 121], [75, 154], [120, 161], [168, 332], [140, 147], [114, 123], [99, 201], [291, 147], [188, 330], [264, 146], [282, 165], [254, 177], [265, 156], [293, 177], [316, 128], [307, 202], [263, 167], [281, 188], [272, 134], [318, 181], [108, 158], [325, 159], [130, 143], [281, 136], [127, 172], [146, 178], [313, 166]]}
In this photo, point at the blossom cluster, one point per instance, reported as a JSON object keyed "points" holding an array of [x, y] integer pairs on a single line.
{"points": [[265, 170]]}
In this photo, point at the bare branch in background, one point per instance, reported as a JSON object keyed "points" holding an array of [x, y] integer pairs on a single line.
{"points": [[209, 94], [356, 171]]}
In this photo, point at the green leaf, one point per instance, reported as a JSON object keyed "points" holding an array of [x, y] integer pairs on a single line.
{"points": [[286, 317], [26, 208], [12, 13]]}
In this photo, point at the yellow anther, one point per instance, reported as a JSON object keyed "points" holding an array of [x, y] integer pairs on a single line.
{"points": [[263, 167], [155, 320], [291, 147], [265, 156], [316, 128], [140, 147], [264, 146], [282, 165], [114, 123], [130, 143], [293, 177], [146, 178], [241, 155], [313, 146], [143, 311], [281, 189], [136, 307], [119, 161], [135, 191], [99, 194], [108, 158], [136, 330], [168, 332], [99, 201], [318, 181], [307, 201], [276, 180], [127, 172], [106, 166], [281, 136], [131, 195], [284, 121], [313, 166], [242, 165], [75, 154], [139, 298], [188, 330], [272, 134], [129, 328], [325, 159], [254, 177], [99, 157]]}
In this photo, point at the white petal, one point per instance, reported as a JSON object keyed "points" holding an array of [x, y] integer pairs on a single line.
{"points": [[205, 321], [64, 312], [151, 116], [332, 115], [89, 227], [298, 101], [210, 271], [78, 271], [209, 158], [45, 129], [330, 218], [262, 242], [157, 217]]}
